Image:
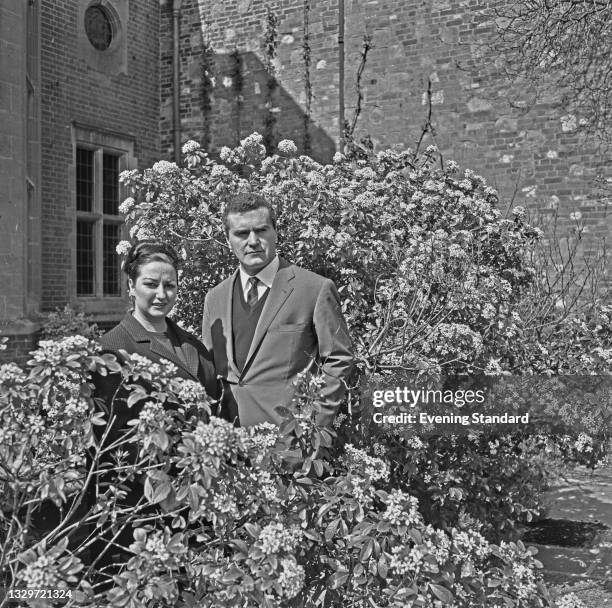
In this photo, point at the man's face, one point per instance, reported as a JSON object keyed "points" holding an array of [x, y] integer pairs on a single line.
{"points": [[252, 238]]}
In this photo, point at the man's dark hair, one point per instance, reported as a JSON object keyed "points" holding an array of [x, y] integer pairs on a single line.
{"points": [[245, 202]]}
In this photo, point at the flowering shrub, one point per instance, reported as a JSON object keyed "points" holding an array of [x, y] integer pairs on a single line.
{"points": [[570, 600], [492, 484], [190, 510], [66, 322], [435, 281], [429, 269], [434, 277], [181, 508]]}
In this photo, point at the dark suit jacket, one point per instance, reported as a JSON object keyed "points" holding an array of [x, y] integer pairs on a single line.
{"points": [[132, 337], [301, 325]]}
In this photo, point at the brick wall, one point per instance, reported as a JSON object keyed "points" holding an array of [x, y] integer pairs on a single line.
{"points": [[530, 155], [18, 347], [240, 99], [124, 103]]}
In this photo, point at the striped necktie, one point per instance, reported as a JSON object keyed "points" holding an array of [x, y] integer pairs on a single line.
{"points": [[252, 293]]}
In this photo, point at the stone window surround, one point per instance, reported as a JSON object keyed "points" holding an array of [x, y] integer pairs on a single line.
{"points": [[113, 60], [102, 307]]}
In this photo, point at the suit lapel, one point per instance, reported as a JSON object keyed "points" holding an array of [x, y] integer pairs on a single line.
{"points": [[140, 334], [189, 350], [161, 351], [192, 357], [279, 292]]}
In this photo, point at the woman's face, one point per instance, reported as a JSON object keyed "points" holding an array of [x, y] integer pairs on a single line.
{"points": [[154, 290]]}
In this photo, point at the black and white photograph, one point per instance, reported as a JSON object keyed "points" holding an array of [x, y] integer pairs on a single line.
{"points": [[305, 304]]}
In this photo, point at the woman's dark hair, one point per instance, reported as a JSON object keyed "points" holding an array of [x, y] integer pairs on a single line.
{"points": [[149, 251]]}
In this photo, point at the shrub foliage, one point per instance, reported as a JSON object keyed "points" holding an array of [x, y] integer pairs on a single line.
{"points": [[185, 509], [181, 508], [435, 277]]}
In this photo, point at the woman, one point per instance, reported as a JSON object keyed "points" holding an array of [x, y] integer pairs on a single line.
{"points": [[152, 271]]}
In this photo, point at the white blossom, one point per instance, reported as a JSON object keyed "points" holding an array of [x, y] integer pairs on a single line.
{"points": [[127, 205], [123, 247], [286, 147], [402, 509], [164, 167], [190, 147], [275, 537]]}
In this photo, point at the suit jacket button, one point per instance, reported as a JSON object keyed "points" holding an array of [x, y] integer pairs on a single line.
{"points": [[240, 383]]}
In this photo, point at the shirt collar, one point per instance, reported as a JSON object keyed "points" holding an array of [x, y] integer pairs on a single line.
{"points": [[265, 275]]}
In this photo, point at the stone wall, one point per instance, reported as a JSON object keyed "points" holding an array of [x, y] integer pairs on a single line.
{"points": [[529, 152], [15, 162]]}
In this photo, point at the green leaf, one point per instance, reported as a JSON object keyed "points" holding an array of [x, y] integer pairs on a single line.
{"points": [[160, 439], [252, 530], [442, 593], [239, 545], [231, 575], [169, 503], [337, 579], [318, 467], [383, 568], [416, 536], [331, 529], [136, 396], [312, 535], [155, 494], [366, 551]]}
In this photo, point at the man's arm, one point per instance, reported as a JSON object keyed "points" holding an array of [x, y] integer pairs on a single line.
{"points": [[335, 350]]}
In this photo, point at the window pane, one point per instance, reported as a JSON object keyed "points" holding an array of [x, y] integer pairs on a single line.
{"points": [[85, 258], [110, 184], [111, 272], [84, 179]]}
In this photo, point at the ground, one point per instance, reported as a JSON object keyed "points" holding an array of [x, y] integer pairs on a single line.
{"points": [[581, 495]]}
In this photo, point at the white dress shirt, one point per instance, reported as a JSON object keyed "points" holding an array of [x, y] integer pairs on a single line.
{"points": [[265, 275]]}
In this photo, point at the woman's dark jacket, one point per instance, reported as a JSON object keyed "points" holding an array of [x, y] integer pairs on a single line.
{"points": [[132, 337]]}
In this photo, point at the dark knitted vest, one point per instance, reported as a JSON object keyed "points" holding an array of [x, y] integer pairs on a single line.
{"points": [[244, 322]]}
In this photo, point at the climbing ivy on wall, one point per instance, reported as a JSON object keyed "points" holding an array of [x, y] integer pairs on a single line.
{"points": [[237, 88], [271, 43], [307, 56], [207, 89]]}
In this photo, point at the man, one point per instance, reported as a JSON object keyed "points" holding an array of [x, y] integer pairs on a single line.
{"points": [[270, 321]]}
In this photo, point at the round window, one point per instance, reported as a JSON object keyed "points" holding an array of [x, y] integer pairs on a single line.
{"points": [[98, 27]]}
